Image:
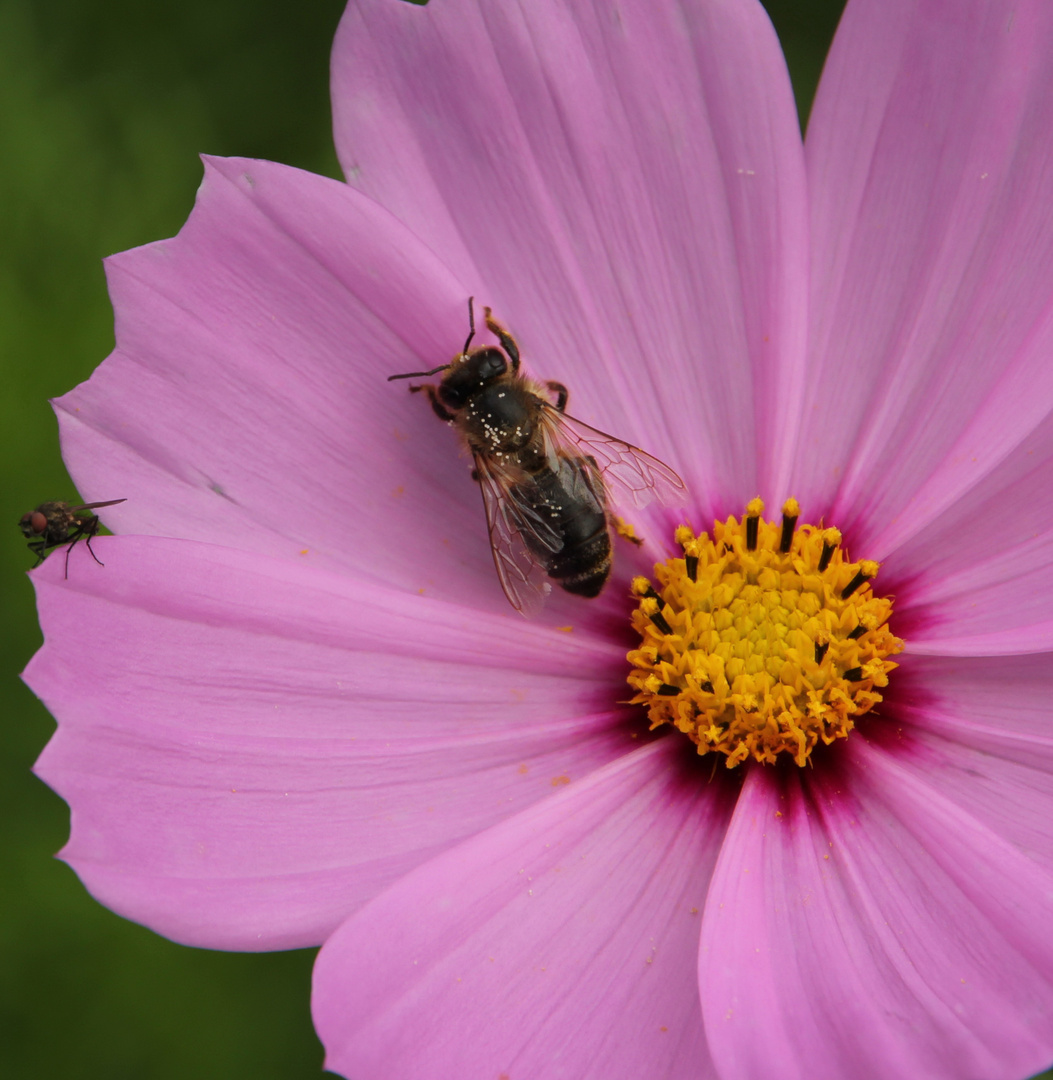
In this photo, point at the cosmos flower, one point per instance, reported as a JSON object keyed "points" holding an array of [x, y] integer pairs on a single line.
{"points": [[294, 706]]}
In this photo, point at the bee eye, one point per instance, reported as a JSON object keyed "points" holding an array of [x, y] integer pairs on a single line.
{"points": [[37, 522], [453, 397], [490, 364]]}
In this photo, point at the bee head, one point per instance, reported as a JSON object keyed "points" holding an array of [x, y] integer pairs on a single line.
{"points": [[470, 374]]}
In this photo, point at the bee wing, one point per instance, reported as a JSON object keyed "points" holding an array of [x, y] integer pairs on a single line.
{"points": [[509, 517], [627, 470]]}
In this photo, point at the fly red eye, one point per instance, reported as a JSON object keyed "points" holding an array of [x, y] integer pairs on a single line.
{"points": [[37, 522]]}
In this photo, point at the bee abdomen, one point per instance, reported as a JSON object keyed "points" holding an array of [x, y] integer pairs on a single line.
{"points": [[583, 569]]}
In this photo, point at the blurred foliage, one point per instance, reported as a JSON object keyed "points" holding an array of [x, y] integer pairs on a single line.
{"points": [[104, 105]]}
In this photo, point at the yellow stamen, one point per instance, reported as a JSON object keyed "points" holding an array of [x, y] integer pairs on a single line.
{"points": [[763, 640]]}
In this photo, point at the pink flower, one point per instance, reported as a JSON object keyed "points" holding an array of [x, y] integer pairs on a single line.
{"points": [[295, 707]]}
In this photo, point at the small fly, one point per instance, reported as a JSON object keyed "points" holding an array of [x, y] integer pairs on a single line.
{"points": [[53, 524]]}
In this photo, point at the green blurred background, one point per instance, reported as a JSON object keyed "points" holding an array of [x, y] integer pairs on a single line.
{"points": [[104, 105]]}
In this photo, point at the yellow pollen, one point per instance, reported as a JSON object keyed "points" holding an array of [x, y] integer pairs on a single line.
{"points": [[762, 640]]}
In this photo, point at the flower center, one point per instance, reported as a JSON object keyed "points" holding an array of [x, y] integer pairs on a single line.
{"points": [[762, 640]]}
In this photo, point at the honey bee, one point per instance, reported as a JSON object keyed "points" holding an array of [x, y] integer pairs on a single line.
{"points": [[53, 524], [545, 477]]}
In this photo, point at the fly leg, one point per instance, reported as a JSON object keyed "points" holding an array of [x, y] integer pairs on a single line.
{"points": [[85, 530], [88, 530], [37, 547]]}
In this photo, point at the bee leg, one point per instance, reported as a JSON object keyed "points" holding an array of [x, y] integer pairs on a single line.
{"points": [[37, 547], [508, 343], [438, 408], [562, 394], [625, 530]]}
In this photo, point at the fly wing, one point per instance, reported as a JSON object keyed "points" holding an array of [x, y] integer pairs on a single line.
{"points": [[631, 475], [511, 516], [96, 505]]}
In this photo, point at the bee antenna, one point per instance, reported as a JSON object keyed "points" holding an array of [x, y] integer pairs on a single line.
{"points": [[419, 374], [471, 325]]}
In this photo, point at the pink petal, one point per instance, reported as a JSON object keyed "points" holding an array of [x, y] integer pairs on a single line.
{"points": [[625, 186], [253, 748], [1035, 638], [863, 925], [932, 199], [980, 731], [558, 945], [246, 402], [983, 570]]}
